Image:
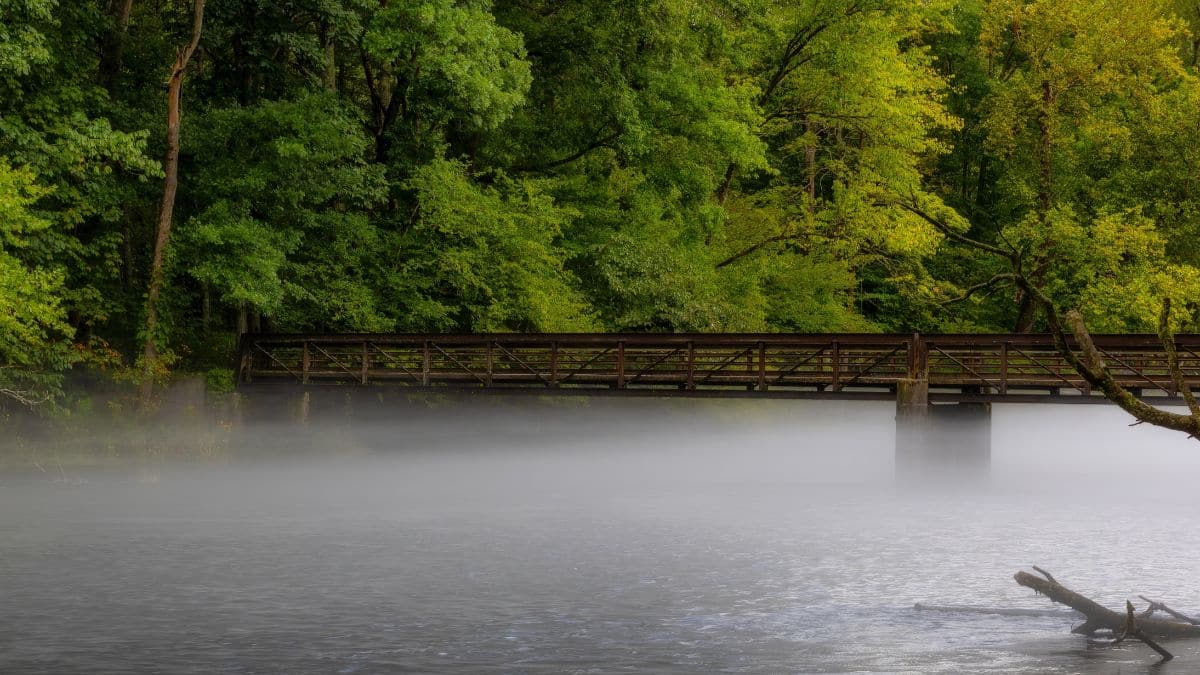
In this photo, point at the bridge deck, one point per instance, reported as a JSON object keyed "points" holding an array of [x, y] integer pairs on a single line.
{"points": [[958, 367]]}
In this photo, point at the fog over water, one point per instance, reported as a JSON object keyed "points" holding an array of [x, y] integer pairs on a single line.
{"points": [[599, 536]]}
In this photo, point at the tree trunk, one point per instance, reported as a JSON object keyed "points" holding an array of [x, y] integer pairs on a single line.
{"points": [[1026, 314], [170, 185], [112, 51], [723, 191], [330, 76], [810, 167], [1045, 154], [206, 309], [126, 250], [981, 187]]}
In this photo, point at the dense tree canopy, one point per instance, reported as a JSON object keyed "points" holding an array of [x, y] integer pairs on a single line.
{"points": [[562, 165]]}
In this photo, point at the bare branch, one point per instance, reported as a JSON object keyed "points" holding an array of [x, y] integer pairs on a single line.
{"points": [[25, 398], [1049, 577], [1132, 629], [1158, 606]]}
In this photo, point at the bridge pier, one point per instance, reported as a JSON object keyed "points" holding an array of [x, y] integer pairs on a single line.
{"points": [[952, 440]]}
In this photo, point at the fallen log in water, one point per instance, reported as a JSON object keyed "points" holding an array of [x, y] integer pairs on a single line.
{"points": [[1098, 617]]}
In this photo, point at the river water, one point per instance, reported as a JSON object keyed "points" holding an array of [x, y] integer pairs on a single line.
{"points": [[782, 546]]}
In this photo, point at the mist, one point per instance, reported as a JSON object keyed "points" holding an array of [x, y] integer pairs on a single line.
{"points": [[513, 534]]}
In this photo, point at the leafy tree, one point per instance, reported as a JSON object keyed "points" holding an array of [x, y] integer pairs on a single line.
{"points": [[280, 224], [633, 115], [51, 122], [678, 165], [35, 343], [1066, 80], [853, 110], [482, 258], [437, 71]]}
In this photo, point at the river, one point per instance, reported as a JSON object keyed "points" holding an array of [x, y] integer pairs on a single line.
{"points": [[778, 546]]}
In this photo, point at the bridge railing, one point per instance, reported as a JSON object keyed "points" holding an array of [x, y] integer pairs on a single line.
{"points": [[830, 364]]}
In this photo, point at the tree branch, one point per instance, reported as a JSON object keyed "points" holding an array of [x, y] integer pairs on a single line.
{"points": [[1095, 371], [755, 247], [25, 398], [605, 141], [1089, 362], [1168, 342], [955, 235], [1008, 276]]}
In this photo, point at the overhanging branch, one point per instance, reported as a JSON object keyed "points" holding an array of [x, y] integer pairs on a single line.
{"points": [[978, 288], [955, 235], [1168, 342]]}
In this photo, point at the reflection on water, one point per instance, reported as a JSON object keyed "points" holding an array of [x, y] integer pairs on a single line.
{"points": [[789, 551]]}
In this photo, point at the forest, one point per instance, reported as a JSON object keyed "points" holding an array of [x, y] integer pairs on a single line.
{"points": [[585, 165]]}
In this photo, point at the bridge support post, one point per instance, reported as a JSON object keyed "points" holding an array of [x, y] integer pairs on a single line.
{"points": [[913, 425], [952, 440]]}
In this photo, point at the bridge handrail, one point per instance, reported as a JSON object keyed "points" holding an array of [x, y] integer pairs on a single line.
{"points": [[1115, 340], [833, 364]]}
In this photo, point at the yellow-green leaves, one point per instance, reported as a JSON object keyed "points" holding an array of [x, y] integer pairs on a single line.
{"points": [[483, 258], [34, 334], [18, 194], [1070, 78]]}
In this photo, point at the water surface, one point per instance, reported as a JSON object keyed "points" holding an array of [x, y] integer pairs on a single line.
{"points": [[782, 548]]}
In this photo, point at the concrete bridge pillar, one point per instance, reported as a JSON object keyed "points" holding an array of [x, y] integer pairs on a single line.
{"points": [[953, 440]]}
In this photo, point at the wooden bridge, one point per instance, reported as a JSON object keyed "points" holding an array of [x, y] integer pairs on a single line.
{"points": [[954, 368]]}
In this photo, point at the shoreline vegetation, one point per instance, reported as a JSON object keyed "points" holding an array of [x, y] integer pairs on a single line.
{"points": [[105, 423], [507, 166]]}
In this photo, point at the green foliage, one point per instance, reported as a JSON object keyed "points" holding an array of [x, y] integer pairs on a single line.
{"points": [[22, 45], [52, 122], [483, 258], [562, 165], [1081, 127], [219, 381], [280, 198], [33, 325], [452, 58]]}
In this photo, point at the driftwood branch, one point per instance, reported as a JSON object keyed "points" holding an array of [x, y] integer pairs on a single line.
{"points": [[1155, 606], [1098, 617], [1049, 577], [1133, 630]]}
